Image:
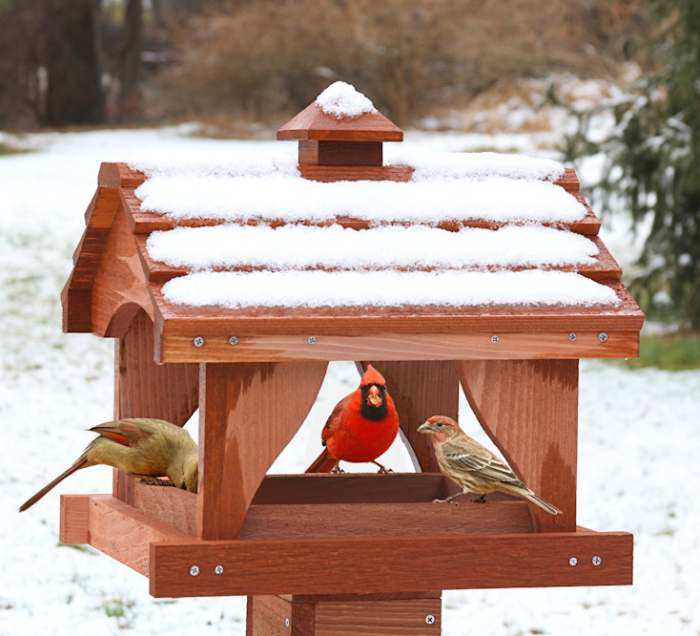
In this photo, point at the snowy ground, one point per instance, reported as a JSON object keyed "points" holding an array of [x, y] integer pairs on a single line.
{"points": [[638, 458]]}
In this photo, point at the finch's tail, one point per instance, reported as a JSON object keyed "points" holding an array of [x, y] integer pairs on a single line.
{"points": [[541, 503], [81, 462], [324, 463]]}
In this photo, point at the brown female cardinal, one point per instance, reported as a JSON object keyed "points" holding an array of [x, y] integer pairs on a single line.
{"points": [[361, 427], [140, 446], [472, 466]]}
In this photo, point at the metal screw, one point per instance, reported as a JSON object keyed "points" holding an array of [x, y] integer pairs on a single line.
{"points": [[198, 341], [233, 341], [603, 336], [312, 340], [286, 622], [495, 339], [573, 562], [596, 560], [219, 569], [430, 619], [572, 336], [194, 570]]}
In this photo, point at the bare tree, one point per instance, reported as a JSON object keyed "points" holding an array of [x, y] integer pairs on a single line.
{"points": [[72, 61], [130, 101]]}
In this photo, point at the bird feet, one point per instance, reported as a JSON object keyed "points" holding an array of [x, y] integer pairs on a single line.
{"points": [[480, 499], [449, 500], [337, 470], [383, 470]]}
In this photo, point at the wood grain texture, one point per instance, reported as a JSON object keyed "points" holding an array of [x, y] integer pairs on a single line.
{"points": [[340, 153], [343, 616], [146, 389], [313, 123], [120, 282], [126, 533], [375, 564], [529, 409], [183, 320], [248, 414], [421, 389], [329, 173], [75, 519], [399, 347]]}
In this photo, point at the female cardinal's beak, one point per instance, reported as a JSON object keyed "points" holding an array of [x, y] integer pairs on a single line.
{"points": [[425, 427], [374, 396]]}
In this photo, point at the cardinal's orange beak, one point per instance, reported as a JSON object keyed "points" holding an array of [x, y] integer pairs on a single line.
{"points": [[374, 396]]}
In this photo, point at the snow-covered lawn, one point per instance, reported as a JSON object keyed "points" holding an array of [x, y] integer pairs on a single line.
{"points": [[638, 454]]}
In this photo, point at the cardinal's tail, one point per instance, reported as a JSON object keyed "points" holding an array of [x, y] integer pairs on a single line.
{"points": [[81, 462], [324, 463], [541, 503]]}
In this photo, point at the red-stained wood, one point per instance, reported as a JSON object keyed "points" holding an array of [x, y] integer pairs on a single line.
{"points": [[529, 409], [361, 615], [340, 153], [125, 533], [120, 282], [400, 347], [248, 414], [313, 123], [373, 563], [421, 389], [75, 519], [143, 388]]}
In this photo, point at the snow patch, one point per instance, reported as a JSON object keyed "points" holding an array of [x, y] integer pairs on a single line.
{"points": [[299, 247], [385, 289], [295, 199], [343, 100]]}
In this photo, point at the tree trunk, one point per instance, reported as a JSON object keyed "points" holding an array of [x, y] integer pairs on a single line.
{"points": [[74, 91], [130, 104]]}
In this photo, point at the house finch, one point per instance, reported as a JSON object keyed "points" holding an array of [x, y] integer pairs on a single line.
{"points": [[361, 427], [140, 446], [472, 467]]}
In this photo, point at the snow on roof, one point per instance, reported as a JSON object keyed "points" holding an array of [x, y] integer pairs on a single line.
{"points": [[342, 100], [243, 164], [472, 165], [296, 199], [300, 247], [386, 289]]}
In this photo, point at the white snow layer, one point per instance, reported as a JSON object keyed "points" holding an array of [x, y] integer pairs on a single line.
{"points": [[385, 289], [296, 199], [471, 165], [299, 247], [342, 100]]}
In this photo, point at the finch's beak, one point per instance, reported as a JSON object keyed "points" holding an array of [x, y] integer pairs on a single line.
{"points": [[374, 397], [425, 427]]}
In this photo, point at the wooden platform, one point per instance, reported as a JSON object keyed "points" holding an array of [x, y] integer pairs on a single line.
{"points": [[372, 534]]}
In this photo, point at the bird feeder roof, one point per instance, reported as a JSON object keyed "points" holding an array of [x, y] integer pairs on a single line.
{"points": [[429, 256]]}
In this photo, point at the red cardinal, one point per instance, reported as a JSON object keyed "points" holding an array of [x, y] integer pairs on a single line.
{"points": [[361, 427]]}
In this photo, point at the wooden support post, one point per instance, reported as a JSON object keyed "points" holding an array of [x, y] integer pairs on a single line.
{"points": [[349, 615], [421, 389], [143, 388], [529, 409], [248, 414]]}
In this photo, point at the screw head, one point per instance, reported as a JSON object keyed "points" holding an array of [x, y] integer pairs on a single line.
{"points": [[572, 336], [194, 570], [198, 341], [573, 562], [603, 336], [430, 619], [312, 340], [219, 569], [233, 341], [495, 339], [286, 622], [596, 560]]}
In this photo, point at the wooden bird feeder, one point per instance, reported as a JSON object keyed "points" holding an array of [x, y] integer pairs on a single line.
{"points": [[351, 553]]}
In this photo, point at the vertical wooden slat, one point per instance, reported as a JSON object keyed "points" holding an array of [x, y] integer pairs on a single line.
{"points": [[248, 414], [529, 409], [421, 389], [143, 388]]}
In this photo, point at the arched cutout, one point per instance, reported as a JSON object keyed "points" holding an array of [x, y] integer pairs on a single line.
{"points": [[248, 414]]}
